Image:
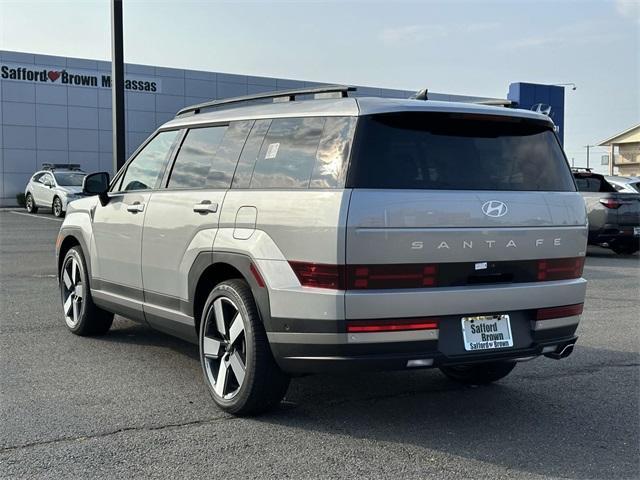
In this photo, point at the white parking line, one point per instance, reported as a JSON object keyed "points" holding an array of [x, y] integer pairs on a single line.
{"points": [[31, 215]]}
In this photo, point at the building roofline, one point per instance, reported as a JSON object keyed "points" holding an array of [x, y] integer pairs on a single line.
{"points": [[609, 140]]}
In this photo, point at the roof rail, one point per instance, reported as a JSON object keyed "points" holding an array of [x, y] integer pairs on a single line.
{"points": [[290, 96], [61, 166]]}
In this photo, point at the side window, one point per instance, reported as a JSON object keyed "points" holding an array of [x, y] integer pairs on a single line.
{"points": [[288, 153], [333, 153], [37, 177], [144, 171], [46, 179], [247, 162], [196, 157], [224, 165]]}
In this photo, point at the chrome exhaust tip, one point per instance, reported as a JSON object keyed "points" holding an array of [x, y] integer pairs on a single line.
{"points": [[561, 352]]}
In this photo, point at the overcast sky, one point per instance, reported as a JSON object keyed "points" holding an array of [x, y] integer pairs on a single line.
{"points": [[472, 48]]}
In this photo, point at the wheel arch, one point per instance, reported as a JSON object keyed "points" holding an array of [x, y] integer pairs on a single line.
{"points": [[69, 240], [210, 269]]}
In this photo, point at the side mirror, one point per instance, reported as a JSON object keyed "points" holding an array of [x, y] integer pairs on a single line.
{"points": [[97, 184]]}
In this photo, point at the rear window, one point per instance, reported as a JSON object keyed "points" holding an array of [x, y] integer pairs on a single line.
{"points": [[589, 183], [441, 151]]}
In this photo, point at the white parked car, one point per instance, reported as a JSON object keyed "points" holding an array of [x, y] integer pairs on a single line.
{"points": [[54, 187], [625, 184]]}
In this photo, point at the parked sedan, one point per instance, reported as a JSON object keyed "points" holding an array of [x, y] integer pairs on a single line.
{"points": [[54, 187], [625, 184]]}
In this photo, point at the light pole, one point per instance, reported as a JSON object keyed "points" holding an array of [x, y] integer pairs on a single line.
{"points": [[117, 86]]}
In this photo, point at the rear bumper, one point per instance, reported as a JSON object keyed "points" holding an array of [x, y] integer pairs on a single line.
{"points": [[612, 233], [302, 352]]}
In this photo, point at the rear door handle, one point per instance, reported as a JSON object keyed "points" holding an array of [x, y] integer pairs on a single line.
{"points": [[205, 207], [135, 207]]}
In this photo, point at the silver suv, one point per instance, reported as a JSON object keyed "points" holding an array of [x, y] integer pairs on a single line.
{"points": [[335, 234]]}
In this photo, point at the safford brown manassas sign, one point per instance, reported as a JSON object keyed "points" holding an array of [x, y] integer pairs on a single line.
{"points": [[75, 77]]}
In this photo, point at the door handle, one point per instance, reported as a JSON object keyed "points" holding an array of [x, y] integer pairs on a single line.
{"points": [[135, 207], [205, 207]]}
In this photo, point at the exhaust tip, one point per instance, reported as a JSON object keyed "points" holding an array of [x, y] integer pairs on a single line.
{"points": [[563, 351]]}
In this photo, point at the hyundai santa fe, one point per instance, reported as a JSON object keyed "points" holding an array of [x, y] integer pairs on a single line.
{"points": [[326, 233]]}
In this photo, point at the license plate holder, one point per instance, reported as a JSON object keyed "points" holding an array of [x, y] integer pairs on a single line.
{"points": [[486, 332]]}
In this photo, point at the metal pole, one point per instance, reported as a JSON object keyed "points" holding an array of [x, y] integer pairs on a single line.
{"points": [[588, 146], [611, 160], [117, 86]]}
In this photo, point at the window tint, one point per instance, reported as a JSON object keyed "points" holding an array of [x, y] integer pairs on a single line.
{"points": [[457, 152], [145, 170], [70, 179], [288, 153], [196, 157], [333, 153], [246, 164], [227, 155], [587, 183], [46, 179], [37, 177]]}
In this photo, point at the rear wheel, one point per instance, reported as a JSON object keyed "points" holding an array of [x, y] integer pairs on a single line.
{"points": [[30, 204], [238, 366], [57, 207], [480, 373], [81, 315]]}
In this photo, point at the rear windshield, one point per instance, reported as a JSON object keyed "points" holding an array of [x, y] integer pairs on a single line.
{"points": [[592, 183], [440, 151]]}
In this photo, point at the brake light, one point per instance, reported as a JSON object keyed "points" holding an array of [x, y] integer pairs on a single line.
{"points": [[560, 268], [319, 275], [391, 325], [559, 312], [391, 276], [611, 202]]}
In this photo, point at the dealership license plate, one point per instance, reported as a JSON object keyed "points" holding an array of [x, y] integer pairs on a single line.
{"points": [[636, 231], [486, 332]]}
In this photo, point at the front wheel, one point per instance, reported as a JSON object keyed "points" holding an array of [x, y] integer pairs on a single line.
{"points": [[628, 249], [82, 316], [30, 204], [238, 365], [57, 207], [478, 373]]}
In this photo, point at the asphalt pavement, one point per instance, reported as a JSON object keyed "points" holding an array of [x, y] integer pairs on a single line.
{"points": [[132, 404]]}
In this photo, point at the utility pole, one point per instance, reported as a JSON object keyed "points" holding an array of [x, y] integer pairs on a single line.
{"points": [[117, 85], [588, 147]]}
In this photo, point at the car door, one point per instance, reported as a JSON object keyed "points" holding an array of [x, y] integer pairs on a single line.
{"points": [[182, 220], [117, 226], [44, 190]]}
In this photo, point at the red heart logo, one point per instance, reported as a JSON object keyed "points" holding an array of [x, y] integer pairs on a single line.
{"points": [[53, 75]]}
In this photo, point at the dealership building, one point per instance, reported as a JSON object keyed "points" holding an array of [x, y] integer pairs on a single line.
{"points": [[58, 109]]}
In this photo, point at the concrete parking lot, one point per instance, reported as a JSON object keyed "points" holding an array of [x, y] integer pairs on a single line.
{"points": [[133, 404]]}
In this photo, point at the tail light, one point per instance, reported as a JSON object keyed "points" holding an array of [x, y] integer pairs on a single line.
{"points": [[319, 275], [611, 202], [391, 276], [559, 312], [392, 325], [560, 268]]}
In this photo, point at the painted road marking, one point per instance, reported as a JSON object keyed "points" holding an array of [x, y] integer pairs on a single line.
{"points": [[31, 215]]}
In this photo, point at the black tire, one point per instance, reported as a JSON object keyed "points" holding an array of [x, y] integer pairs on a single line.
{"points": [[224, 351], [30, 204], [56, 207], [478, 373], [629, 249], [83, 317]]}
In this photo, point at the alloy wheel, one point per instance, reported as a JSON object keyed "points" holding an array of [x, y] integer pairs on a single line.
{"points": [[57, 207], [72, 292], [29, 203], [224, 348]]}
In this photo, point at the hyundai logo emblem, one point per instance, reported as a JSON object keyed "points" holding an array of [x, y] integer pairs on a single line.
{"points": [[494, 208]]}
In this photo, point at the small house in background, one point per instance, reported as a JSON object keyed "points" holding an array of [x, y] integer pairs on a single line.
{"points": [[624, 156]]}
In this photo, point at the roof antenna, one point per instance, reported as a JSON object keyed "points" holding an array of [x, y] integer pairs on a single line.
{"points": [[421, 94]]}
